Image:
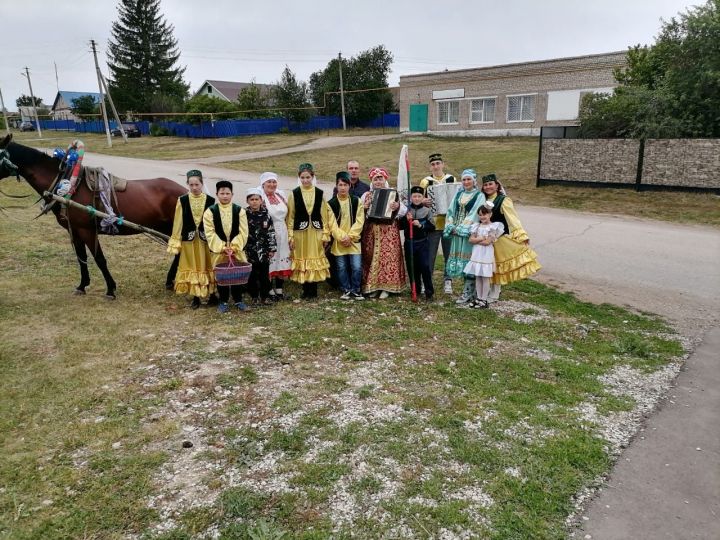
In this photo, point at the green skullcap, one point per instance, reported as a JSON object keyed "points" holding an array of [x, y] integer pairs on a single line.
{"points": [[489, 178], [343, 175], [306, 167], [193, 172]]}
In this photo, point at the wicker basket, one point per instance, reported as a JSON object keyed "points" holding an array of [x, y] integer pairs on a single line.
{"points": [[232, 273]]}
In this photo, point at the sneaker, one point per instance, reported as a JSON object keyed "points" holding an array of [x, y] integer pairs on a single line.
{"points": [[241, 306], [448, 286], [481, 304], [346, 296], [383, 295], [357, 296], [464, 298], [223, 307], [429, 297], [422, 289]]}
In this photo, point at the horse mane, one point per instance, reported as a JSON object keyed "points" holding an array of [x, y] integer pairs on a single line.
{"points": [[25, 155]]}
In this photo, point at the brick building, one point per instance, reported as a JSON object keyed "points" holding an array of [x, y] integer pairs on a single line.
{"points": [[511, 99]]}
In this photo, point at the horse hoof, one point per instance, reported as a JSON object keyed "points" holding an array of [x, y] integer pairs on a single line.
{"points": [[110, 297], [79, 292]]}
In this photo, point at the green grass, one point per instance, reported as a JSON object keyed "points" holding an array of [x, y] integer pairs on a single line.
{"points": [[308, 420]]}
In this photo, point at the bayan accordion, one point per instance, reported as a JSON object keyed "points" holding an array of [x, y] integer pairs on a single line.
{"points": [[380, 205], [441, 196]]}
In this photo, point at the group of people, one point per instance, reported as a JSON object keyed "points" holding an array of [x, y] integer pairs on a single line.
{"points": [[309, 239]]}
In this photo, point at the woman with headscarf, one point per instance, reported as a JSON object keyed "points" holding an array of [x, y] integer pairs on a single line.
{"points": [[195, 272], [514, 259], [309, 222], [461, 215], [382, 257], [277, 206]]}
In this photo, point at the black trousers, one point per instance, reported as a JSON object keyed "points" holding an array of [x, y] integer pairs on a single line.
{"points": [[259, 283], [225, 291], [419, 261]]}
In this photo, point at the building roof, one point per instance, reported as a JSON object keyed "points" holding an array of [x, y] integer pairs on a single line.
{"points": [[609, 59], [231, 90], [68, 97]]}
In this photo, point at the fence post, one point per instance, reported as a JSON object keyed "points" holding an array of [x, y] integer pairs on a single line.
{"points": [[641, 157], [537, 180]]}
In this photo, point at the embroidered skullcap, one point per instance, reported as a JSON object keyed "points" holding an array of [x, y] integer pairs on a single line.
{"points": [[223, 184], [469, 172], [417, 189], [253, 191], [435, 157], [193, 172], [489, 178], [378, 171], [306, 167], [343, 175], [489, 205], [264, 177]]}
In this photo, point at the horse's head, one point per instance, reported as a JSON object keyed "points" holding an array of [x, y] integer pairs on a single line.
{"points": [[5, 141], [7, 167]]}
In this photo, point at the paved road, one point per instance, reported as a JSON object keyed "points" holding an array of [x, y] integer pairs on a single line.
{"points": [[664, 268]]}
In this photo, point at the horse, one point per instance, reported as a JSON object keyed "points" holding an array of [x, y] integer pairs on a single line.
{"points": [[148, 202]]}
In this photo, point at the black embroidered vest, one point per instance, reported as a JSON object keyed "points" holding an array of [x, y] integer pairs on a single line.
{"points": [[188, 229], [497, 215], [302, 221], [334, 204], [217, 221]]}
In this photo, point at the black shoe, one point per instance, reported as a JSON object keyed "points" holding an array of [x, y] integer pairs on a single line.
{"points": [[195, 302], [169, 286], [213, 300]]}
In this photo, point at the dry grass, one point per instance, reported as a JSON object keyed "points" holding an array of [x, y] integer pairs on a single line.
{"points": [[514, 160]]}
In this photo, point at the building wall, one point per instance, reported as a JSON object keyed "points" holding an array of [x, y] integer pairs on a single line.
{"points": [[562, 80], [688, 163]]}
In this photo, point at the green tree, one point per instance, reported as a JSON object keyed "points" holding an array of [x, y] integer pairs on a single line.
{"points": [[27, 101], [142, 58], [209, 104], [368, 70], [291, 94], [252, 100], [668, 89], [84, 106]]}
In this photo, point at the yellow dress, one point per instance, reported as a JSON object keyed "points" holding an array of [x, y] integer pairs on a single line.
{"points": [[309, 263], [195, 276], [354, 231], [514, 259], [216, 244]]}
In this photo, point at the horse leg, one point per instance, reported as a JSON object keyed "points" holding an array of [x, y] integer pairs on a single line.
{"points": [[93, 245], [170, 280], [81, 255]]}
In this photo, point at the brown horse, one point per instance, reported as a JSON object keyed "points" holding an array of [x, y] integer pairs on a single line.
{"points": [[147, 202]]}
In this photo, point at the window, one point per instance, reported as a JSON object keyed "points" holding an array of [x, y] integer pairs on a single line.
{"points": [[521, 108], [209, 89], [482, 110], [448, 112]]}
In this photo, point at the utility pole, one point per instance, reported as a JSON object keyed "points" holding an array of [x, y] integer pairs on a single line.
{"points": [[57, 80], [2, 104], [32, 97], [114, 110], [342, 95], [102, 95]]}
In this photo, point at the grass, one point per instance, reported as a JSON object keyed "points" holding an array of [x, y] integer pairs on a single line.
{"points": [[374, 419], [514, 159]]}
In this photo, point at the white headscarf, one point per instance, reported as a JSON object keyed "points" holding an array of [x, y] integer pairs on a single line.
{"points": [[264, 177], [254, 191]]}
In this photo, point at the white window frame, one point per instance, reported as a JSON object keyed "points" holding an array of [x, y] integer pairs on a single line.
{"points": [[507, 109], [482, 98], [448, 101]]}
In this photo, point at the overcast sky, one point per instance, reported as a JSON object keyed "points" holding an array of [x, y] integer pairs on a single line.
{"points": [[238, 40]]}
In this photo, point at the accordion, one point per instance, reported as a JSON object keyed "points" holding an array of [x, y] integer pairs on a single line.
{"points": [[380, 206], [441, 196]]}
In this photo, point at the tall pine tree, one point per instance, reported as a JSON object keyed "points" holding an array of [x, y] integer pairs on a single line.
{"points": [[142, 57]]}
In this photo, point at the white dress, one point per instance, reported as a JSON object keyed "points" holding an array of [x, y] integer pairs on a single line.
{"points": [[482, 259], [281, 264]]}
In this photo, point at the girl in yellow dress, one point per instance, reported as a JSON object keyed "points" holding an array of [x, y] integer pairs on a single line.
{"points": [[195, 275], [309, 222], [514, 259]]}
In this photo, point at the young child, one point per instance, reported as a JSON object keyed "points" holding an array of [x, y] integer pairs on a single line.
{"points": [[418, 257], [482, 260], [350, 217], [260, 248], [226, 230]]}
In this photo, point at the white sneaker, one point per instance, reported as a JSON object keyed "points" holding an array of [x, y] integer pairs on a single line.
{"points": [[464, 298], [383, 295], [346, 296], [448, 286], [357, 296]]}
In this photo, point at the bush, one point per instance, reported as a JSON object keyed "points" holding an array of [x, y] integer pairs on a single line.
{"points": [[157, 130]]}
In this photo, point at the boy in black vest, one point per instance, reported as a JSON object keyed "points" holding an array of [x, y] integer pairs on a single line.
{"points": [[349, 219], [226, 230], [417, 253], [260, 247]]}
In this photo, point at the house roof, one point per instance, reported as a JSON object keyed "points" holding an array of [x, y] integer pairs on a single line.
{"points": [[68, 97], [231, 90]]}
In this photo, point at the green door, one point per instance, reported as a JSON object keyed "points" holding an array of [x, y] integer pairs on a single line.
{"points": [[418, 117]]}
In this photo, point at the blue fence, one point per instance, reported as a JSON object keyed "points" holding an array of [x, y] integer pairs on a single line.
{"points": [[226, 128]]}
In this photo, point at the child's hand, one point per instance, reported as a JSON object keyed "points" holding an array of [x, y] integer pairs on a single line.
{"points": [[347, 242], [416, 223], [229, 251]]}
